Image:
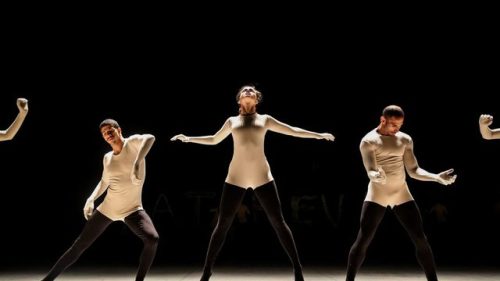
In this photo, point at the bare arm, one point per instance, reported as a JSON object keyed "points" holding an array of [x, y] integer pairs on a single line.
{"points": [[9, 133], [411, 165], [375, 174], [282, 128], [208, 140], [485, 121]]}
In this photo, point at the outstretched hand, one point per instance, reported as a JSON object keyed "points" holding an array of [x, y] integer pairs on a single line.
{"points": [[485, 119], [327, 136], [22, 104], [378, 176], [446, 177], [180, 137], [88, 209]]}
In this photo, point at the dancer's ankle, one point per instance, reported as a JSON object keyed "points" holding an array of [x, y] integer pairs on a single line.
{"points": [[207, 272], [298, 275]]}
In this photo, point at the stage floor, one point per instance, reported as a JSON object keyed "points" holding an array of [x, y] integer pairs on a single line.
{"points": [[254, 274]]}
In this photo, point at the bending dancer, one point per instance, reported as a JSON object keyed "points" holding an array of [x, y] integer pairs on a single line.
{"points": [[386, 152], [249, 169], [123, 177], [485, 121], [9, 133]]}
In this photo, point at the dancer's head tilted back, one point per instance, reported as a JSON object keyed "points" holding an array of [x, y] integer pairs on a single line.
{"points": [[248, 97]]}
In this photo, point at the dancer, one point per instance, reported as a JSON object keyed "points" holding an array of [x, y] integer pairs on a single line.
{"points": [[485, 121], [249, 169], [9, 133], [386, 152], [123, 177]]}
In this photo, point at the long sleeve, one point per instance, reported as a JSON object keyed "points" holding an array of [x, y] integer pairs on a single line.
{"points": [[412, 167], [219, 136], [10, 132]]}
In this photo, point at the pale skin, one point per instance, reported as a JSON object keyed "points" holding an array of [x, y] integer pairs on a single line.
{"points": [[11, 131], [485, 120], [249, 167], [113, 136], [392, 190]]}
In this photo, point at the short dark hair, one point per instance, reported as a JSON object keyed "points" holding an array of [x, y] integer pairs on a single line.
{"points": [[393, 111], [259, 94], [110, 122]]}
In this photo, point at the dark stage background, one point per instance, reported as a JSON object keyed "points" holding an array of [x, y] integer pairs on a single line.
{"points": [[187, 84]]}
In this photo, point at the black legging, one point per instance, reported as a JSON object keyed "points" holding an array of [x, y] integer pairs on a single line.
{"points": [[139, 222], [232, 196], [409, 216]]}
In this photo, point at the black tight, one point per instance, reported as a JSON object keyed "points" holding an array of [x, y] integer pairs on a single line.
{"points": [[409, 216], [139, 222], [232, 196]]}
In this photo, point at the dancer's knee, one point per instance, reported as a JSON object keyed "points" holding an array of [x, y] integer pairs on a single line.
{"points": [[151, 239], [81, 245], [421, 241], [223, 223], [277, 221]]}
